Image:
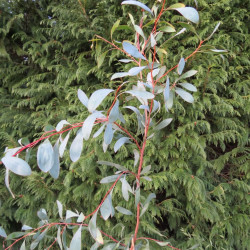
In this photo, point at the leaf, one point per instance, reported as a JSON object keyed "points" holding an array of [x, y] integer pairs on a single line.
{"points": [[125, 60], [146, 178], [7, 182], [119, 167], [59, 126], [169, 102], [106, 208], [168, 29], [132, 50], [136, 70], [42, 214], [163, 124], [97, 97], [141, 94], [2, 232], [108, 179], [187, 26], [161, 243], [137, 196], [92, 226], [75, 243], [60, 208], [83, 98], [137, 3], [167, 90], [16, 165], [99, 131], [15, 235], [119, 75], [125, 187], [76, 146], [80, 218], [145, 169], [181, 66], [55, 170], [219, 50], [176, 5], [70, 214], [114, 27], [146, 203], [123, 210], [25, 227], [100, 59], [139, 31], [23, 246], [136, 157], [188, 86], [114, 113], [99, 238], [89, 123], [108, 134], [189, 13], [152, 40], [215, 29], [161, 72], [120, 142], [187, 74], [184, 95], [45, 156], [64, 144], [59, 241]]}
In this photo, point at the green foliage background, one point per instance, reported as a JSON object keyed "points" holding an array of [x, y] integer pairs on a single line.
{"points": [[200, 164]]}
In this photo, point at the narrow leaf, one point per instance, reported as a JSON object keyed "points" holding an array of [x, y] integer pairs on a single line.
{"points": [[176, 5], [55, 170], [188, 86], [145, 169], [119, 75], [106, 208], [59, 241], [2, 232], [108, 134], [96, 98], [125, 60], [63, 145], [136, 157], [92, 226], [59, 126], [25, 227], [187, 74], [163, 124], [99, 131], [76, 240], [132, 50], [167, 90], [7, 182], [114, 113], [181, 66], [16, 165], [70, 214], [45, 156], [60, 208], [108, 179], [215, 29], [152, 40], [136, 70], [23, 246], [169, 102], [100, 59], [137, 3], [119, 167], [120, 142], [161, 243], [123, 210], [114, 27], [189, 13], [76, 147], [141, 94], [99, 238], [184, 95]]}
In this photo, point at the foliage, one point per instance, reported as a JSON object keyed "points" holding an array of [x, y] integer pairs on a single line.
{"points": [[199, 165]]}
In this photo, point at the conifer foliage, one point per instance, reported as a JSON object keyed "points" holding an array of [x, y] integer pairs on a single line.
{"points": [[157, 136]]}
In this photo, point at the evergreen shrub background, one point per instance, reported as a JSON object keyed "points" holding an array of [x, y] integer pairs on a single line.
{"points": [[200, 164]]}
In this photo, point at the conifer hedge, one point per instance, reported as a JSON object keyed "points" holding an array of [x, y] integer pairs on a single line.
{"points": [[199, 165]]}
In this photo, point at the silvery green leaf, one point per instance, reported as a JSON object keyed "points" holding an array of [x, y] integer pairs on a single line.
{"points": [[54, 171], [108, 179], [145, 169], [106, 208], [157, 106], [97, 97], [125, 60], [120, 142], [11, 151], [136, 70], [95, 246], [139, 31], [80, 218], [60, 208], [16, 165], [25, 227], [132, 50], [76, 147], [169, 102], [119, 167], [152, 40], [104, 146], [144, 107], [188, 86], [45, 156], [123, 210], [141, 94], [137, 196], [187, 74], [23, 246], [59, 126], [161, 72], [176, 5], [184, 95], [42, 214], [2, 232], [108, 134], [89, 123], [146, 178], [75, 243], [92, 226], [215, 29], [58, 238], [83, 98], [166, 90], [136, 157], [137, 3], [99, 131], [163, 124], [219, 50], [15, 235], [63, 145], [181, 66], [125, 188], [114, 113], [189, 13], [146, 203], [7, 182], [99, 238], [161, 243], [119, 75], [70, 214]]}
